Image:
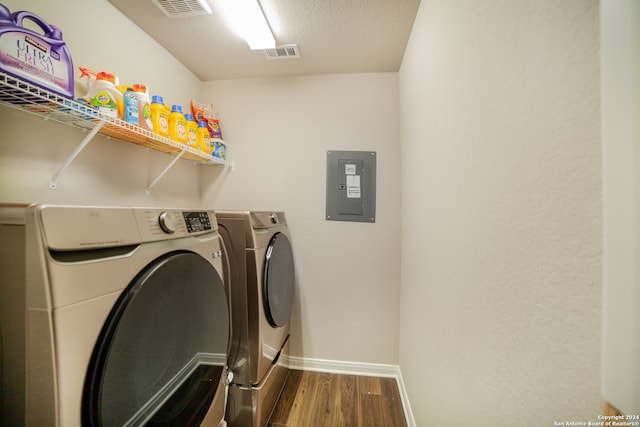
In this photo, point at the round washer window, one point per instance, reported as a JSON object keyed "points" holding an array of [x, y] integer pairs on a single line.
{"points": [[278, 281], [161, 353]]}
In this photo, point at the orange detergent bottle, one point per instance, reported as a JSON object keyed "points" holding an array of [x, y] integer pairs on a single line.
{"points": [[159, 116], [192, 128], [177, 125]]}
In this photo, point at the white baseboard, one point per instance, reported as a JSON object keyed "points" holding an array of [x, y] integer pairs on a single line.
{"points": [[357, 368]]}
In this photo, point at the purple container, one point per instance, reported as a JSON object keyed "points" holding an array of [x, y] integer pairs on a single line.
{"points": [[41, 59]]}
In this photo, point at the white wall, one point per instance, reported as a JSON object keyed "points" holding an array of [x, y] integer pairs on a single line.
{"points": [[499, 316], [278, 133], [620, 24], [501, 213], [106, 172]]}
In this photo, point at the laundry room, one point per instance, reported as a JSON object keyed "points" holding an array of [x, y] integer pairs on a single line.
{"points": [[495, 282]]}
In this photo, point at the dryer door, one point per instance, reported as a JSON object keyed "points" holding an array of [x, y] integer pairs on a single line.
{"points": [[161, 354], [278, 281]]}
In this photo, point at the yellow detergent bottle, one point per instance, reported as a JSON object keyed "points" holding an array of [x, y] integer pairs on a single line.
{"points": [[159, 116], [203, 138], [177, 125], [192, 129]]}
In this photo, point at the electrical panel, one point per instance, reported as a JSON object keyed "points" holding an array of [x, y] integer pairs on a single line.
{"points": [[351, 186]]}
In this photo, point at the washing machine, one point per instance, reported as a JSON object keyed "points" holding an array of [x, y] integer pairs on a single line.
{"points": [[111, 317], [261, 283]]}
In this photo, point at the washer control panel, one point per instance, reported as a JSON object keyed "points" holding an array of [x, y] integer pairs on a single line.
{"points": [[159, 224], [197, 221]]}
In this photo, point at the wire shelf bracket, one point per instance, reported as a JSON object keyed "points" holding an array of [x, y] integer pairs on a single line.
{"points": [[164, 171], [53, 182]]}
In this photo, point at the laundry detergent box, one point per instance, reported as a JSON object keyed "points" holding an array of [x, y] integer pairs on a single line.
{"points": [[219, 149], [38, 57]]}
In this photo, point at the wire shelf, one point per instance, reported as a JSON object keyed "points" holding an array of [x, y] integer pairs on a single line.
{"points": [[21, 95]]}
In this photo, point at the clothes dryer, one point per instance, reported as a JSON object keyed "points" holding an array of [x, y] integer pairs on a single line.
{"points": [[111, 317], [261, 283]]}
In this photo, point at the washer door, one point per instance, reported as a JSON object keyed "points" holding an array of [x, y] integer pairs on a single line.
{"points": [[278, 281], [160, 356]]}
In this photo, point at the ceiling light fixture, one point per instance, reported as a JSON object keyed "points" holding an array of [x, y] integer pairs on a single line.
{"points": [[247, 18]]}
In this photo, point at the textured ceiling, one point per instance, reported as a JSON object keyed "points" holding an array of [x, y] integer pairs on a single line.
{"points": [[333, 36]]}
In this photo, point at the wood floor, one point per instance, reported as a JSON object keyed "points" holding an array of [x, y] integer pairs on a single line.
{"points": [[315, 399]]}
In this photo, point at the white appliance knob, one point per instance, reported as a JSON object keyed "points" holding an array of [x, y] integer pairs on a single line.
{"points": [[166, 223]]}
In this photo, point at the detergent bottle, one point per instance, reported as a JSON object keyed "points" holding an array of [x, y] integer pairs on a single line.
{"points": [[202, 137], [105, 96], [131, 110], [159, 116], [91, 80], [40, 57], [5, 16], [144, 108], [192, 129], [177, 125]]}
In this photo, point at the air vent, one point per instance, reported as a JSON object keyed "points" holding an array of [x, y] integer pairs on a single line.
{"points": [[183, 8], [288, 51]]}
